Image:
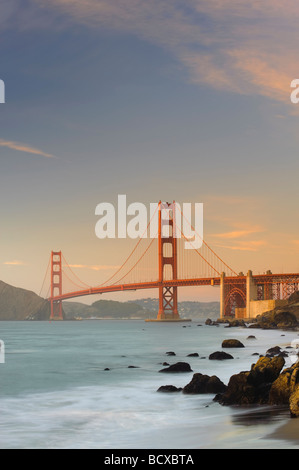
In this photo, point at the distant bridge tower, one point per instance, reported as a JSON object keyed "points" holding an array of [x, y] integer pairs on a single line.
{"points": [[56, 285], [167, 242]]}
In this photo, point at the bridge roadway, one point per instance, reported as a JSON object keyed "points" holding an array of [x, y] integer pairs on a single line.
{"points": [[207, 281]]}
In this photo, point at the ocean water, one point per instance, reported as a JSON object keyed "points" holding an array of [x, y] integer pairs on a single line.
{"points": [[56, 393]]}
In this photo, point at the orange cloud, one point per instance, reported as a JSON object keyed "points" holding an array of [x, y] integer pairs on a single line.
{"points": [[14, 263], [24, 148], [93, 267], [245, 245], [234, 234]]}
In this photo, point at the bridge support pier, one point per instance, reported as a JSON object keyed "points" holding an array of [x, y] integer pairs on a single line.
{"points": [[251, 292]]}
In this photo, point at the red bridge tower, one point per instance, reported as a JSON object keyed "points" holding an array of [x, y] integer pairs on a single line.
{"points": [[56, 285]]}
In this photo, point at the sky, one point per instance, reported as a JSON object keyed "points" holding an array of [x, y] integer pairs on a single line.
{"points": [[158, 100]]}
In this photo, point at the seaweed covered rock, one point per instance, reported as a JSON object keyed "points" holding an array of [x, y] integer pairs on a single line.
{"points": [[294, 403], [253, 387], [266, 370], [284, 386]]}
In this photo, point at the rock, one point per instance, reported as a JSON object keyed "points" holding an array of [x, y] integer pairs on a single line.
{"points": [[235, 322], [169, 389], [204, 384], [253, 387], [251, 337], [294, 297], [106, 368], [232, 343], [193, 355], [280, 391], [265, 383], [178, 367], [284, 386], [211, 322], [266, 370], [220, 356], [283, 354], [165, 364], [273, 351], [170, 353], [133, 367], [294, 404], [238, 391], [277, 319]]}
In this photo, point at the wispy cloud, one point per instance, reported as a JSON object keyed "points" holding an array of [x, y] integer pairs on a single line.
{"points": [[234, 234], [243, 47], [93, 267], [253, 245], [14, 263], [24, 148]]}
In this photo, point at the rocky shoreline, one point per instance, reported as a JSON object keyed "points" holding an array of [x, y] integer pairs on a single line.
{"points": [[267, 382]]}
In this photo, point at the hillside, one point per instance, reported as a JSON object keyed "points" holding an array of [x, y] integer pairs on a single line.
{"points": [[21, 304], [106, 309], [138, 309], [187, 309]]}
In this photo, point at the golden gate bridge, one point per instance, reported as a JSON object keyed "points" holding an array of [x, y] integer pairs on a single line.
{"points": [[163, 263]]}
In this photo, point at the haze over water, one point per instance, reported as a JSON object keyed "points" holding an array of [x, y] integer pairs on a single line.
{"points": [[55, 392]]}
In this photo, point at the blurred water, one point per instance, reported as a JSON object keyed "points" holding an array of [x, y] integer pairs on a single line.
{"points": [[55, 393]]}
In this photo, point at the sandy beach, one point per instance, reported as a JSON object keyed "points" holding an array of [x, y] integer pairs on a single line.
{"points": [[288, 431]]}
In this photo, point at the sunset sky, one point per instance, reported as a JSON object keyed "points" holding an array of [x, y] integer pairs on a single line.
{"points": [[185, 100]]}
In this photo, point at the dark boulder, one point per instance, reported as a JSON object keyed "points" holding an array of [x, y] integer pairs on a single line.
{"points": [[169, 389], [178, 367], [193, 355], [210, 322], [235, 323], [204, 384], [232, 343], [273, 351], [278, 318], [220, 356]]}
